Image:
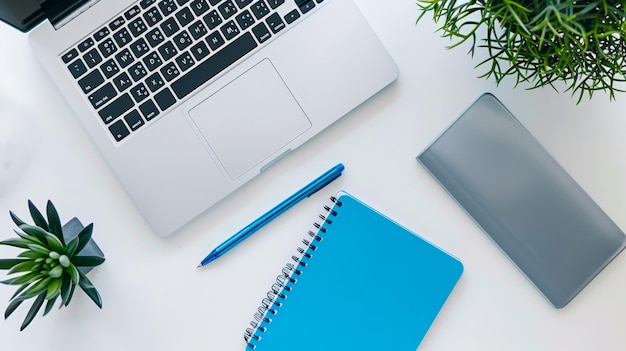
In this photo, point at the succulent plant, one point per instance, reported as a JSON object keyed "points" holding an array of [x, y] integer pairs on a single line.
{"points": [[541, 42], [48, 268]]}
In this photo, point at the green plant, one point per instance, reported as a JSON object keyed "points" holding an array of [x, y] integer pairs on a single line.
{"points": [[540, 42], [48, 266]]}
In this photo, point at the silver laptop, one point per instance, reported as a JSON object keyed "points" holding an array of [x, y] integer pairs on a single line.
{"points": [[189, 99]]}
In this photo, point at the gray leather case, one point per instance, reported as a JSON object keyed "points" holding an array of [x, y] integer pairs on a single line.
{"points": [[523, 199]]}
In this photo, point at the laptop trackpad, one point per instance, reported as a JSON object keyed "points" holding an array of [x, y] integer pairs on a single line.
{"points": [[250, 119]]}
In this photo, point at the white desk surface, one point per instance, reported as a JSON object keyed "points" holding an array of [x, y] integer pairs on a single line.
{"points": [[154, 297]]}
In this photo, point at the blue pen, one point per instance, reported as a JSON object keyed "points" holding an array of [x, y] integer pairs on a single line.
{"points": [[301, 194]]}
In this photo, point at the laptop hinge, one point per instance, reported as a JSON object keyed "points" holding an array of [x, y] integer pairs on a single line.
{"points": [[61, 12]]}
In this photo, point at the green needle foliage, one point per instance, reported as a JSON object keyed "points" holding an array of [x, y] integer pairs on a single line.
{"points": [[47, 268], [540, 42]]}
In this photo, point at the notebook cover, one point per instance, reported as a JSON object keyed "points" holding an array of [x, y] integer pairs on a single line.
{"points": [[524, 200], [370, 285]]}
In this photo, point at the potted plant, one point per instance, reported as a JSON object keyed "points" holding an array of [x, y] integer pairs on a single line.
{"points": [[54, 260], [577, 44]]}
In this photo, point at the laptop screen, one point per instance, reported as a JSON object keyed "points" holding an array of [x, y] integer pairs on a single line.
{"points": [[21, 14], [26, 14]]}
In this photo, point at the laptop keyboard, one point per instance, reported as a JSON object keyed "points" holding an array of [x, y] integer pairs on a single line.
{"points": [[159, 51]]}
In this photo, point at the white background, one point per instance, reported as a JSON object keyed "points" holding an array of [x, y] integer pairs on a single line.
{"points": [[154, 297]]}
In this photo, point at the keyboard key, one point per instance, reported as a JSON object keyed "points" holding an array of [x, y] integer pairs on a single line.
{"points": [[137, 71], [259, 9], [292, 16], [116, 108], [243, 3], [102, 33], [167, 7], [133, 119], [124, 58], [152, 16], [70, 55], [117, 23], [227, 9], [168, 51], [230, 30], [155, 37], [122, 37], [182, 2], [185, 61], [199, 51], [109, 68], [199, 7], [139, 92], [134, 11], [165, 99], [107, 48], [198, 30], [122, 82], [152, 61], [92, 58], [154, 82], [148, 110], [140, 47], [170, 71], [212, 20], [119, 130], [182, 40], [215, 40], [307, 6], [137, 27], [145, 3], [214, 2], [275, 3], [245, 20], [170, 27], [77, 68], [86, 44], [102, 96], [213, 65], [91, 81], [275, 23], [184, 16], [261, 32]]}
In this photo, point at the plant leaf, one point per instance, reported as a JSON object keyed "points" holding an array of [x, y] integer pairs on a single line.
{"points": [[74, 273], [25, 266], [50, 304], [89, 289], [54, 222], [39, 248], [35, 232], [33, 311], [66, 289], [23, 279], [70, 294], [9, 263], [13, 305], [35, 289], [18, 222], [87, 261], [33, 255], [84, 236], [54, 288], [38, 218], [70, 248], [18, 291], [16, 242]]}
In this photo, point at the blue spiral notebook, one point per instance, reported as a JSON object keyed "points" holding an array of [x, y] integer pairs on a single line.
{"points": [[359, 282]]}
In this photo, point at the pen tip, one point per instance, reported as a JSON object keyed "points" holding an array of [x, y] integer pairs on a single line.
{"points": [[200, 265]]}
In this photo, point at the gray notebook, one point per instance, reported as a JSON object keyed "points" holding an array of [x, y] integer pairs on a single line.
{"points": [[524, 200]]}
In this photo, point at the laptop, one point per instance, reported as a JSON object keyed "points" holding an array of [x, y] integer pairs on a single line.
{"points": [[189, 99]]}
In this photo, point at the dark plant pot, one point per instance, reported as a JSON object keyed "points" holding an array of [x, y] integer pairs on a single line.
{"points": [[70, 231]]}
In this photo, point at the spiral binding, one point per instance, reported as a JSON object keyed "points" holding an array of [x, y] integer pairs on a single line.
{"points": [[271, 304]]}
